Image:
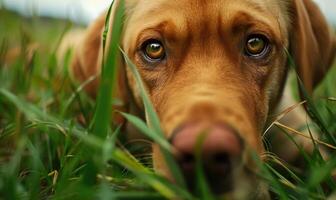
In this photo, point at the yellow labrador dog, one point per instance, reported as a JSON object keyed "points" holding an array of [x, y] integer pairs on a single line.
{"points": [[214, 66]]}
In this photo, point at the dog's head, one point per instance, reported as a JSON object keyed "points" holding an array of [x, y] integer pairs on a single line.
{"points": [[216, 67]]}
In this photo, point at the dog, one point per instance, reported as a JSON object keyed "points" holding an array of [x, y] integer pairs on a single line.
{"points": [[217, 67]]}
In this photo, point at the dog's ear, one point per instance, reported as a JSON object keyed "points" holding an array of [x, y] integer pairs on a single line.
{"points": [[313, 43], [87, 62]]}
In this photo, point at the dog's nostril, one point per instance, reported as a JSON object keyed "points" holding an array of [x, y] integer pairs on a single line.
{"points": [[188, 158], [219, 164], [221, 159], [187, 161], [219, 172]]}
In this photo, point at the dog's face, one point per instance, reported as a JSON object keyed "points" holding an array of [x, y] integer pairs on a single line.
{"points": [[214, 69], [212, 66]]}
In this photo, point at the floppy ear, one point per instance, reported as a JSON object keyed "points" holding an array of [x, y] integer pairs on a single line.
{"points": [[313, 44], [87, 56], [87, 61]]}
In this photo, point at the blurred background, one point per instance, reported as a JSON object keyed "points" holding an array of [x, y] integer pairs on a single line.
{"points": [[84, 11], [79, 11]]}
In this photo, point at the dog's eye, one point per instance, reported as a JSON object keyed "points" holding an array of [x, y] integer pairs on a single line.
{"points": [[153, 50], [256, 46]]}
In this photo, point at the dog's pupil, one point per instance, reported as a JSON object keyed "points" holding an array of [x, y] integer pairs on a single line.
{"points": [[255, 45], [154, 50]]}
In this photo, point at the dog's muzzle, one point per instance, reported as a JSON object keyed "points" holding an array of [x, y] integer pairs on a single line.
{"points": [[219, 146]]}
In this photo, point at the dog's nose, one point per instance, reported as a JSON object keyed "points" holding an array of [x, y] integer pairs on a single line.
{"points": [[219, 145]]}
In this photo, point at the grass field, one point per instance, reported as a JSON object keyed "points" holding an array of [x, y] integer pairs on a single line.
{"points": [[55, 144]]}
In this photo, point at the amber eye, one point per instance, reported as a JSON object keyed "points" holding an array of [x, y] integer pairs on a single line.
{"points": [[256, 46], [153, 50]]}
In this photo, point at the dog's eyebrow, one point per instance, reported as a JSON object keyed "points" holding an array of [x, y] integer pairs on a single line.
{"points": [[243, 20], [160, 27], [166, 28]]}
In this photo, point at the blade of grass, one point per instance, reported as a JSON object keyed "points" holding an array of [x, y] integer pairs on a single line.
{"points": [[311, 162], [154, 123], [29, 110], [137, 195], [321, 173], [311, 108], [11, 170], [276, 160], [265, 173], [138, 123], [202, 184], [167, 189], [76, 92], [144, 174], [278, 124], [332, 98], [102, 116]]}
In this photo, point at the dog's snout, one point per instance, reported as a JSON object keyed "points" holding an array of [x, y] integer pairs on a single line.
{"points": [[220, 144]]}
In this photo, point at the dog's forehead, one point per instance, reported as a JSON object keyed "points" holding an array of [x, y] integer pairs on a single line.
{"points": [[207, 6], [184, 17], [149, 12]]}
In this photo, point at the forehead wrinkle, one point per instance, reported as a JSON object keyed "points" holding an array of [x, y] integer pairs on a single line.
{"points": [[243, 19], [271, 12], [258, 6], [270, 7], [240, 21], [159, 15]]}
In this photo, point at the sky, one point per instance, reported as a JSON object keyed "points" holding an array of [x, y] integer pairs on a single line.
{"points": [[85, 11]]}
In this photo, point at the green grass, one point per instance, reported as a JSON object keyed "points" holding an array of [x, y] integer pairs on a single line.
{"points": [[58, 143]]}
